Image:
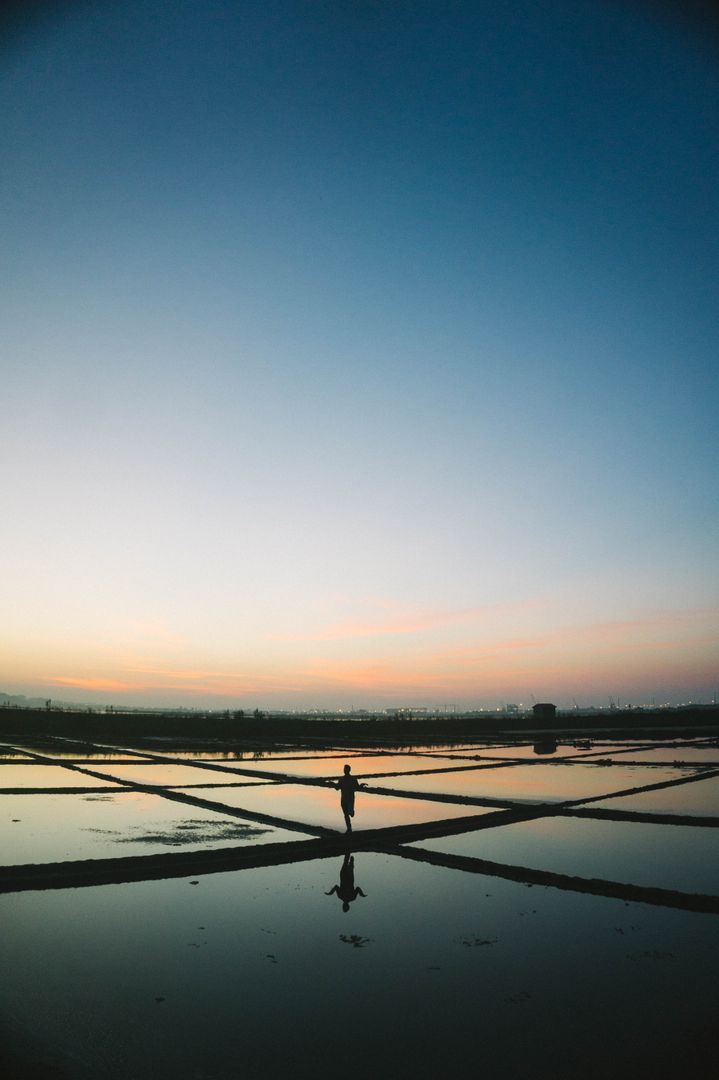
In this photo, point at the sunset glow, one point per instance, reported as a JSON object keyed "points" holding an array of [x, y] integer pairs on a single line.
{"points": [[359, 358]]}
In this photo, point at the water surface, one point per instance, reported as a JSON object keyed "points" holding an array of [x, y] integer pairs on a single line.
{"points": [[47, 776], [678, 857], [55, 828], [320, 806], [542, 782], [261, 974], [700, 798], [162, 773]]}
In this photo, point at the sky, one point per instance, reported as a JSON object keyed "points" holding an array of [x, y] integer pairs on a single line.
{"points": [[359, 354]]}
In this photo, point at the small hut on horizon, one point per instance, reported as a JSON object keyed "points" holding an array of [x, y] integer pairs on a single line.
{"points": [[545, 714]]}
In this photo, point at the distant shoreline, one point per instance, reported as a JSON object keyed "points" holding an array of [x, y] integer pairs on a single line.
{"points": [[269, 729]]}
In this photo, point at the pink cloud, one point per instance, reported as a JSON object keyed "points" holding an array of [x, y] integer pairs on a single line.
{"points": [[91, 683], [408, 622]]}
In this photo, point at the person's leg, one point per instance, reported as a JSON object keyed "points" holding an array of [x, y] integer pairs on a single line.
{"points": [[348, 823]]}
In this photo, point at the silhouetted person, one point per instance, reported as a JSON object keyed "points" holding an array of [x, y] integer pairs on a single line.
{"points": [[346, 890], [348, 785]]}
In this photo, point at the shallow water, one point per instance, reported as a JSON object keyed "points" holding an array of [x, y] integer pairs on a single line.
{"points": [[239, 757], [516, 753], [533, 783], [678, 857], [361, 766], [54, 828], [60, 747], [320, 806], [47, 776], [259, 973], [700, 798], [77, 756], [162, 773], [671, 755]]}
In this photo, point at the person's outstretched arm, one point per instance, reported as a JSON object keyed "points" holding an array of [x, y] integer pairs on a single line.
{"points": [[332, 890]]}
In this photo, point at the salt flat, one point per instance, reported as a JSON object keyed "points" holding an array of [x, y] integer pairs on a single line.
{"points": [[186, 969]]}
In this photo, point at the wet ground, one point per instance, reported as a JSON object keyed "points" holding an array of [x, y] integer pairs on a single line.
{"points": [[203, 915]]}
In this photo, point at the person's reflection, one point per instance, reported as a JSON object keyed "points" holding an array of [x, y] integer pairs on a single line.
{"points": [[346, 891]]}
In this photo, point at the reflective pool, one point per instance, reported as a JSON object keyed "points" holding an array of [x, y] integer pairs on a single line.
{"points": [[672, 857], [63, 748], [519, 753], [700, 798], [321, 806], [239, 757], [671, 755], [533, 783], [102, 759], [361, 766], [162, 773], [53, 828], [431, 972], [47, 776]]}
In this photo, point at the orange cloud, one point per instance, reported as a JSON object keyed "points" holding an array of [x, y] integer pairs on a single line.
{"points": [[91, 684], [558, 661], [186, 674], [653, 623], [399, 623], [154, 631], [221, 683]]}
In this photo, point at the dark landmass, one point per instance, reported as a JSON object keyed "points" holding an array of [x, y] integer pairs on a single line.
{"points": [[264, 730]]}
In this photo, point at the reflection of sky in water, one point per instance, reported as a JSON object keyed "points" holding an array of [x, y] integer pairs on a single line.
{"points": [[102, 759], [700, 798], [241, 756], [245, 972], [361, 766], [47, 776], [89, 756], [521, 753], [533, 783], [688, 755], [526, 751], [670, 857], [53, 828], [63, 748], [162, 773], [416, 748], [321, 806]]}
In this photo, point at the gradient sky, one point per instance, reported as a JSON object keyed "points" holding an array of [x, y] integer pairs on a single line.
{"points": [[359, 353]]}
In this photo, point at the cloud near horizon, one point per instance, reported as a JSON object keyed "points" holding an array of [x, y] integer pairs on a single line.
{"points": [[91, 683], [567, 658], [403, 622]]}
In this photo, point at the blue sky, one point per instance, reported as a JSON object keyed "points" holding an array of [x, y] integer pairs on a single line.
{"points": [[359, 353]]}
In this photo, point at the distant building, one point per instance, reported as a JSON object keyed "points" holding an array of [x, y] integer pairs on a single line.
{"points": [[511, 710], [545, 714]]}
